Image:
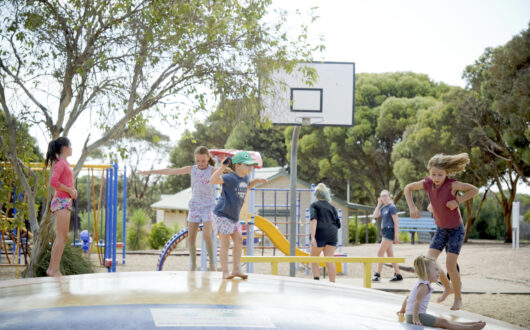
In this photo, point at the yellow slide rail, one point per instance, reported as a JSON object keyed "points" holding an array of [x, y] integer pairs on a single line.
{"points": [[367, 261]]}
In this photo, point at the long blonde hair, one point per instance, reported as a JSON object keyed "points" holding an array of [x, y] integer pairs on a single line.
{"points": [[452, 164], [421, 266]]}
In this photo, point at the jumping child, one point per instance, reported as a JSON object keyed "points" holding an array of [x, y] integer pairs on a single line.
{"points": [[390, 228], [201, 203], [62, 179], [444, 198], [415, 304], [226, 212]]}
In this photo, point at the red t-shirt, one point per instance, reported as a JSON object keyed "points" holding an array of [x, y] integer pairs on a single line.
{"points": [[443, 216], [62, 173]]}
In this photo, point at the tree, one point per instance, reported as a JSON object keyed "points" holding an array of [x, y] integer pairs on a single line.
{"points": [[113, 61], [441, 128], [385, 105], [498, 109]]}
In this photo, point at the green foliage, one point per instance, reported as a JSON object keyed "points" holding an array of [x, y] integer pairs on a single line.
{"points": [[159, 235], [136, 232], [404, 237], [73, 262], [372, 232], [490, 222]]}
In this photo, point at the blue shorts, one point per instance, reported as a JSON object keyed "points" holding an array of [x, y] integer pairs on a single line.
{"points": [[388, 233], [452, 238], [324, 243]]}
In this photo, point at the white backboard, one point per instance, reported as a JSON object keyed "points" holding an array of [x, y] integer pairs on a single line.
{"points": [[328, 101]]}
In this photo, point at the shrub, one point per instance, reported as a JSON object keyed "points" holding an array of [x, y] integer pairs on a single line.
{"points": [[404, 237], [372, 233], [136, 232], [73, 262], [159, 235]]}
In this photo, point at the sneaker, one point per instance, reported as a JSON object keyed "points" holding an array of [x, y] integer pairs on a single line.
{"points": [[376, 278], [397, 277]]}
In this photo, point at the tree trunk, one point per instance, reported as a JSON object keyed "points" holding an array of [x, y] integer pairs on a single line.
{"points": [[40, 243], [508, 225]]}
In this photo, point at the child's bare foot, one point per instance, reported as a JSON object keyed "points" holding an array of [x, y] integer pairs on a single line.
{"points": [[457, 304], [227, 276], [212, 268], [444, 295], [53, 274], [240, 275], [476, 325]]}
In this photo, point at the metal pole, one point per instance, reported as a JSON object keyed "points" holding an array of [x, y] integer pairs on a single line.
{"points": [[124, 229], [292, 222]]}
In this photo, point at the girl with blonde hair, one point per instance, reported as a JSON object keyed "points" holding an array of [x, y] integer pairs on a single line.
{"points": [[444, 195], [414, 306]]}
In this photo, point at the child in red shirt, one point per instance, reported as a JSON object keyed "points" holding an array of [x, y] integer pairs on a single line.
{"points": [[444, 198], [62, 180]]}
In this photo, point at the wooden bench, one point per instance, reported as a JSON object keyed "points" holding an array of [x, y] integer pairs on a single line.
{"points": [[308, 259], [417, 225]]}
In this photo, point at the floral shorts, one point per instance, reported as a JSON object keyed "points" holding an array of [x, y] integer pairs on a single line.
{"points": [[224, 225], [61, 203]]}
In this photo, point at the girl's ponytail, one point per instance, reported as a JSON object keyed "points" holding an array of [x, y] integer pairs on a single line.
{"points": [[54, 149]]}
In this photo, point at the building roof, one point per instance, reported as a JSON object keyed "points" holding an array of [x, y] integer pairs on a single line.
{"points": [[180, 200]]}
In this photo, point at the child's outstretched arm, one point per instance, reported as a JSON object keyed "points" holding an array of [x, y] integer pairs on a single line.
{"points": [[254, 182], [413, 210], [169, 171], [403, 307], [469, 192]]}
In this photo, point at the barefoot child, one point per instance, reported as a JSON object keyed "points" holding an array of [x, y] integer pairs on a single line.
{"points": [[201, 203], [226, 212], [415, 305], [444, 198], [62, 180]]}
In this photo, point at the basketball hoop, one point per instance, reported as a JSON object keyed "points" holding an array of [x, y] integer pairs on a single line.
{"points": [[306, 121]]}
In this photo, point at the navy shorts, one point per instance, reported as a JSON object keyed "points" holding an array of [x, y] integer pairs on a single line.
{"points": [[388, 233], [323, 243], [452, 238]]}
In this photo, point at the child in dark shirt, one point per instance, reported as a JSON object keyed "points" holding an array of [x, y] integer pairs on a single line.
{"points": [[324, 228]]}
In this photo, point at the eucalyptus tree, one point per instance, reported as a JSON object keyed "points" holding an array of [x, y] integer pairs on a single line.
{"points": [[498, 108], [112, 63]]}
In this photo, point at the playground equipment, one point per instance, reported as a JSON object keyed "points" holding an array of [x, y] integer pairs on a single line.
{"points": [[199, 300], [107, 206]]}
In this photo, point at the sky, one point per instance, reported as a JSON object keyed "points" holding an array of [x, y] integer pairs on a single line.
{"points": [[438, 38]]}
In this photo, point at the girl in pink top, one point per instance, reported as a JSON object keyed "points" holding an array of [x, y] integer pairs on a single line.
{"points": [[62, 180], [414, 307], [444, 198], [202, 201]]}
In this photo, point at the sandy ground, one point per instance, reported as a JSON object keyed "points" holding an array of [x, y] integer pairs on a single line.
{"points": [[497, 264]]}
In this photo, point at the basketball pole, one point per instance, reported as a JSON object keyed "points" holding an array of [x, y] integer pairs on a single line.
{"points": [[292, 224]]}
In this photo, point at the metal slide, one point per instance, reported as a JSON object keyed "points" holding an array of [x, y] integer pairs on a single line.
{"points": [[277, 238]]}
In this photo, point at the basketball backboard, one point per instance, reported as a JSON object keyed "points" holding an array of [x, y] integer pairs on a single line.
{"points": [[328, 101]]}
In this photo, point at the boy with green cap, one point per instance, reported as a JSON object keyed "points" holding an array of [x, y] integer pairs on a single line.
{"points": [[226, 213]]}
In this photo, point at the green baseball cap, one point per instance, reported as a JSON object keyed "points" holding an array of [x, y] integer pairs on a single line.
{"points": [[243, 157]]}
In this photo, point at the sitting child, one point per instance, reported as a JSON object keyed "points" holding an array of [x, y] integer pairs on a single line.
{"points": [[415, 304]]}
